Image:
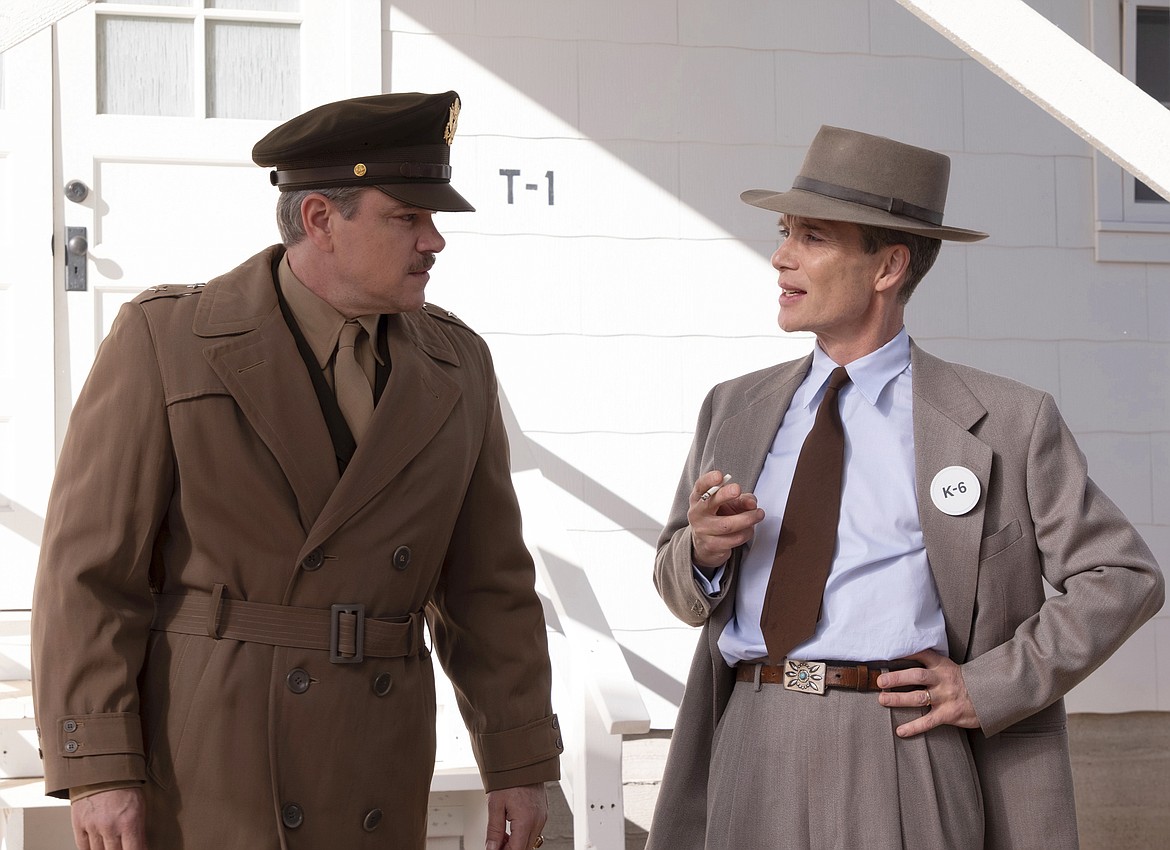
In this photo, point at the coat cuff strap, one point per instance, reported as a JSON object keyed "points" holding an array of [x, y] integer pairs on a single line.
{"points": [[515, 748], [79, 735]]}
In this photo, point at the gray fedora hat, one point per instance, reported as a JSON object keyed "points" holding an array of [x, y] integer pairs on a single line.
{"points": [[864, 179]]}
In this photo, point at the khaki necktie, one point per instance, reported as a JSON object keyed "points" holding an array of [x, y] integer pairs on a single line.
{"points": [[808, 532], [355, 397]]}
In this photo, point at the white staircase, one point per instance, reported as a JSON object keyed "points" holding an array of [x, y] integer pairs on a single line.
{"points": [[28, 819]]}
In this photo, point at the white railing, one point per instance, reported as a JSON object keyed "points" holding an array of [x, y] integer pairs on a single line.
{"points": [[594, 692]]}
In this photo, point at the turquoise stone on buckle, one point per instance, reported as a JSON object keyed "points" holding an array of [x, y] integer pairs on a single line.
{"points": [[806, 677]]}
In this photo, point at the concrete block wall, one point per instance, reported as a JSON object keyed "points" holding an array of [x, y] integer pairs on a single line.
{"points": [[623, 276]]}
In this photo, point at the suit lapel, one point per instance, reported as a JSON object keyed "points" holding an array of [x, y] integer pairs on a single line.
{"points": [[945, 411], [256, 358], [418, 399], [745, 437]]}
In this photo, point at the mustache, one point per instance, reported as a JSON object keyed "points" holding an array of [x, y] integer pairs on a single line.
{"points": [[424, 264]]}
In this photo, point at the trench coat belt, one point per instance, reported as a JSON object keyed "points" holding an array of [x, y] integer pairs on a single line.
{"points": [[345, 634]]}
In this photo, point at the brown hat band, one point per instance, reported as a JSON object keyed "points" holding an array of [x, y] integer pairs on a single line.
{"points": [[368, 173], [895, 206]]}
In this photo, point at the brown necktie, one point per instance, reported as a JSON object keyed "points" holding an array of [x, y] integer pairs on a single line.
{"points": [[808, 532], [355, 397]]}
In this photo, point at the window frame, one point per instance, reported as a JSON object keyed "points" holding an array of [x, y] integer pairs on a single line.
{"points": [[1126, 230]]}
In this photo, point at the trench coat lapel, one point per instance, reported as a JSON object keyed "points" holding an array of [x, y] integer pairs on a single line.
{"points": [[745, 436], [254, 354], [945, 411], [417, 400]]}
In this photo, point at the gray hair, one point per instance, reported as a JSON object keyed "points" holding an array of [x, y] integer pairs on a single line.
{"points": [[288, 208], [923, 252]]}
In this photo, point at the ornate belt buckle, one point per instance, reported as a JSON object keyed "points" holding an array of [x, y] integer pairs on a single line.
{"points": [[806, 677]]}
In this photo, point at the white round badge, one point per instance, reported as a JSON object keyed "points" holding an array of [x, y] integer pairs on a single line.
{"points": [[955, 490]]}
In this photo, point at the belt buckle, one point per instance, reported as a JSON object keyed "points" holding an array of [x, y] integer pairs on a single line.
{"points": [[805, 677], [335, 612]]}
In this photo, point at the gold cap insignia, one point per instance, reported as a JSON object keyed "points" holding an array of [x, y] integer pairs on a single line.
{"points": [[359, 170], [452, 122]]}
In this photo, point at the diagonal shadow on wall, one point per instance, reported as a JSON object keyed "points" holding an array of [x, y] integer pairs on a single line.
{"points": [[527, 454], [595, 494], [650, 676]]}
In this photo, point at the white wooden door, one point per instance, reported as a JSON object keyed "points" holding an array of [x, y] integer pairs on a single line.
{"points": [[26, 310], [160, 104], [149, 110]]}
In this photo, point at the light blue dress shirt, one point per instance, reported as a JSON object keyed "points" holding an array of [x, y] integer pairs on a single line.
{"points": [[880, 599]]}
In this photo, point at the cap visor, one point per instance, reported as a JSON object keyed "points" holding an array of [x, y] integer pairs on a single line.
{"points": [[440, 197]]}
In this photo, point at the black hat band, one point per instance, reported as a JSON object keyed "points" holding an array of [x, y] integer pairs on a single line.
{"points": [[894, 206], [366, 172]]}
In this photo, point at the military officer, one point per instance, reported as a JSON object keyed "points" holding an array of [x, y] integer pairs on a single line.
{"points": [[271, 487]]}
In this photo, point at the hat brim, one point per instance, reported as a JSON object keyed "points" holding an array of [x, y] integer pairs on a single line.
{"points": [[440, 197], [811, 205]]}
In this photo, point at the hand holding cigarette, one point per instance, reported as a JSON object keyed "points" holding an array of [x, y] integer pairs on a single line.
{"points": [[721, 517]]}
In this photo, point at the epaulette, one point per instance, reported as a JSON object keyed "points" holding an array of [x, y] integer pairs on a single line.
{"points": [[437, 312], [168, 290]]}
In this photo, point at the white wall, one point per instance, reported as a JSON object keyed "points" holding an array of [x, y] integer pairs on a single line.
{"points": [[612, 311]]}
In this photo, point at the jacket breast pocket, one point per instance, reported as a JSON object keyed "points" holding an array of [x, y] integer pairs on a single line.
{"points": [[995, 543]]}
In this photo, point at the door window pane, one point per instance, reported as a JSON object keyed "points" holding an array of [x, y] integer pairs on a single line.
{"points": [[144, 66], [252, 70]]}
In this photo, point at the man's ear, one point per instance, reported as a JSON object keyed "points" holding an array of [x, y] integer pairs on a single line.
{"points": [[317, 218], [894, 269]]}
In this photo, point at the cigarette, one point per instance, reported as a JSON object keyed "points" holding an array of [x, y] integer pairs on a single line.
{"points": [[715, 489]]}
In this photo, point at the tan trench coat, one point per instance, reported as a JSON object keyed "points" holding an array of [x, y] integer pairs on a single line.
{"points": [[1040, 517], [197, 456]]}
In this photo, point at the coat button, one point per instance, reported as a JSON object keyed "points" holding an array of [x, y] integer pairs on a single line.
{"points": [[383, 684], [69, 725], [292, 815], [372, 819], [72, 746], [313, 560], [401, 558], [297, 680], [560, 744]]}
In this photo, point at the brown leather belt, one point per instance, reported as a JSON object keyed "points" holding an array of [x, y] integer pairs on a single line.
{"points": [[344, 630], [815, 676]]}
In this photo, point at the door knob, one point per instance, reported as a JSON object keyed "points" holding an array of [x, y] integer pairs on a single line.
{"points": [[76, 191]]}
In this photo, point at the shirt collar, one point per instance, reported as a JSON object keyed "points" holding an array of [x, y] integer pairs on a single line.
{"points": [[319, 322], [871, 374]]}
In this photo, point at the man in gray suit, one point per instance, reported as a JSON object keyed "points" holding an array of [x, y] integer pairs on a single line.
{"points": [[898, 683]]}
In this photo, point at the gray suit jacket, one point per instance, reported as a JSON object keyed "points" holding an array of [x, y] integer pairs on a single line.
{"points": [[1039, 518]]}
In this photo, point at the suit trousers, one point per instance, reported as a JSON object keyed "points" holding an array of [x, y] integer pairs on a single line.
{"points": [[798, 771]]}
